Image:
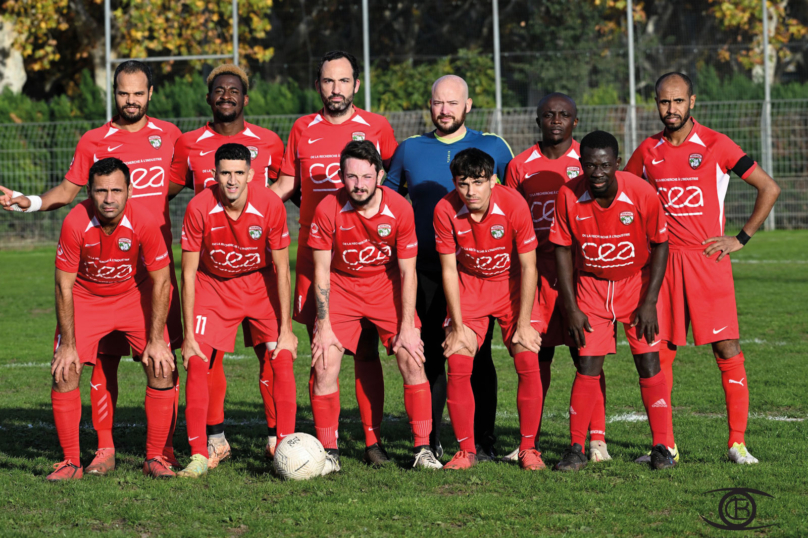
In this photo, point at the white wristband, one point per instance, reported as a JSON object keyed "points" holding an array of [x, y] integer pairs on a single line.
{"points": [[36, 204], [15, 207]]}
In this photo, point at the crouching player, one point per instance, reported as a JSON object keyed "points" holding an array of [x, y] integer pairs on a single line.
{"points": [[363, 238], [228, 233], [480, 228], [102, 287], [615, 223]]}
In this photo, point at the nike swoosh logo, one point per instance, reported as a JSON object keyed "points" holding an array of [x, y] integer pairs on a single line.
{"points": [[95, 387], [92, 244], [346, 229], [464, 232], [203, 153], [654, 161], [582, 218], [315, 140], [192, 438], [216, 228], [531, 175], [654, 343], [719, 330], [113, 149], [461, 440]]}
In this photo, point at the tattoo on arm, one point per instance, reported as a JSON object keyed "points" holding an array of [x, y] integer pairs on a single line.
{"points": [[322, 296]]}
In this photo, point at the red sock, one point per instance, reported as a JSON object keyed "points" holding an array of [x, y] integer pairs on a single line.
{"points": [[104, 397], [67, 416], [656, 399], [168, 450], [197, 398], [159, 416], [736, 392], [266, 382], [585, 390], [217, 388], [597, 424], [285, 392], [546, 373], [418, 403], [460, 400], [667, 352], [370, 396], [325, 409], [528, 397]]}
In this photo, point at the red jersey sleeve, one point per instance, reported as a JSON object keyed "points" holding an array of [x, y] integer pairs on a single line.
{"points": [[729, 153], [68, 250], [387, 143], [180, 173], [193, 226], [322, 231], [560, 229], [444, 234], [275, 159], [406, 241], [153, 247], [512, 176], [634, 164], [656, 227], [522, 223], [79, 171], [289, 161], [278, 237]]}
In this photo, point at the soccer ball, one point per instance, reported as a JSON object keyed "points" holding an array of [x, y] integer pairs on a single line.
{"points": [[299, 456]]}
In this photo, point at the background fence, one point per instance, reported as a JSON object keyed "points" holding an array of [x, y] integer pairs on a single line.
{"points": [[35, 156]]}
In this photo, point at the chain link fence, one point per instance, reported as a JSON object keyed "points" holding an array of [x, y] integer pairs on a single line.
{"points": [[35, 156]]}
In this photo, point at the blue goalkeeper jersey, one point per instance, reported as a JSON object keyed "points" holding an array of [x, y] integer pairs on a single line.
{"points": [[420, 167]]}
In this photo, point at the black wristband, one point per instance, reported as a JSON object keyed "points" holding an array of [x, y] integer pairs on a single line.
{"points": [[743, 238]]}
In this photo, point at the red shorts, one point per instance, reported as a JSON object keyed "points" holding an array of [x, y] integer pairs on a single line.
{"points": [[697, 289], [480, 298], [554, 331], [374, 299], [272, 284], [304, 309], [605, 302], [221, 304], [95, 317]]}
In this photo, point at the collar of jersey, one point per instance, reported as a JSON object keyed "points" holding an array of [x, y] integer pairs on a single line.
{"points": [[246, 204], [352, 208], [491, 203], [449, 140], [246, 127], [571, 150], [693, 132], [599, 207], [356, 111], [119, 130]]}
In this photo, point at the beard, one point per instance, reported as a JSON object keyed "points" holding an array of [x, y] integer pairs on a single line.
{"points": [[362, 201], [337, 109], [684, 122], [133, 117], [225, 117], [454, 126]]}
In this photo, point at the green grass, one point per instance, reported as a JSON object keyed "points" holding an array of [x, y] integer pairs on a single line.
{"points": [[241, 497]]}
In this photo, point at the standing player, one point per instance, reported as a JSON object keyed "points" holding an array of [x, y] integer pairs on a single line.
{"points": [[538, 173], [193, 166], [228, 232], [311, 169], [481, 229], [420, 167], [364, 243], [615, 224], [146, 145], [688, 165], [112, 274]]}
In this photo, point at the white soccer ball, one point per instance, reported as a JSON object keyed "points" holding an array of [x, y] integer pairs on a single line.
{"points": [[299, 456]]}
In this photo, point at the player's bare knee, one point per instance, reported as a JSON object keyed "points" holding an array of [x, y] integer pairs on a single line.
{"points": [[590, 365], [70, 383], [726, 349], [647, 364], [156, 381]]}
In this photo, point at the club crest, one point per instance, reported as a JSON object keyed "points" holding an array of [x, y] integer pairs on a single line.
{"points": [[314, 229], [255, 232], [358, 136], [695, 160], [573, 172], [155, 141], [253, 152], [626, 217], [384, 230], [497, 231], [124, 244]]}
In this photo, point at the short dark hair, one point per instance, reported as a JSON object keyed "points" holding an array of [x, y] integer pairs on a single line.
{"points": [[336, 55], [364, 150], [600, 140], [553, 95], [472, 163], [232, 152], [682, 76], [106, 167], [129, 67]]}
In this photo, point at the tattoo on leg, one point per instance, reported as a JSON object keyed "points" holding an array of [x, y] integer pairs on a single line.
{"points": [[322, 297]]}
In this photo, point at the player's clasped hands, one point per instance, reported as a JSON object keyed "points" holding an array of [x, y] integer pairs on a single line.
{"points": [[159, 357], [409, 339], [191, 349], [527, 337], [726, 244], [579, 326], [323, 339], [64, 357]]}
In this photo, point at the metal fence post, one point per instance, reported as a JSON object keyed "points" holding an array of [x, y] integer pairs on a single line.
{"points": [[497, 70], [632, 84], [766, 135]]}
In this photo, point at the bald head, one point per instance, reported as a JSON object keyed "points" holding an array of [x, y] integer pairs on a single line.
{"points": [[451, 85], [449, 105]]}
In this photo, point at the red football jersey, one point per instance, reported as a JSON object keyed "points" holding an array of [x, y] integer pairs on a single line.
{"points": [[363, 246], [228, 247], [485, 249], [538, 178], [610, 242], [146, 152], [195, 155], [691, 181], [313, 150], [108, 264]]}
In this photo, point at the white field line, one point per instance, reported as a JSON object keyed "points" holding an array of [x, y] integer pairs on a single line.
{"points": [[745, 341], [777, 262]]}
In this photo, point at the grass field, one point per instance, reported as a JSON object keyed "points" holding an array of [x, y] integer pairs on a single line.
{"points": [[241, 497]]}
